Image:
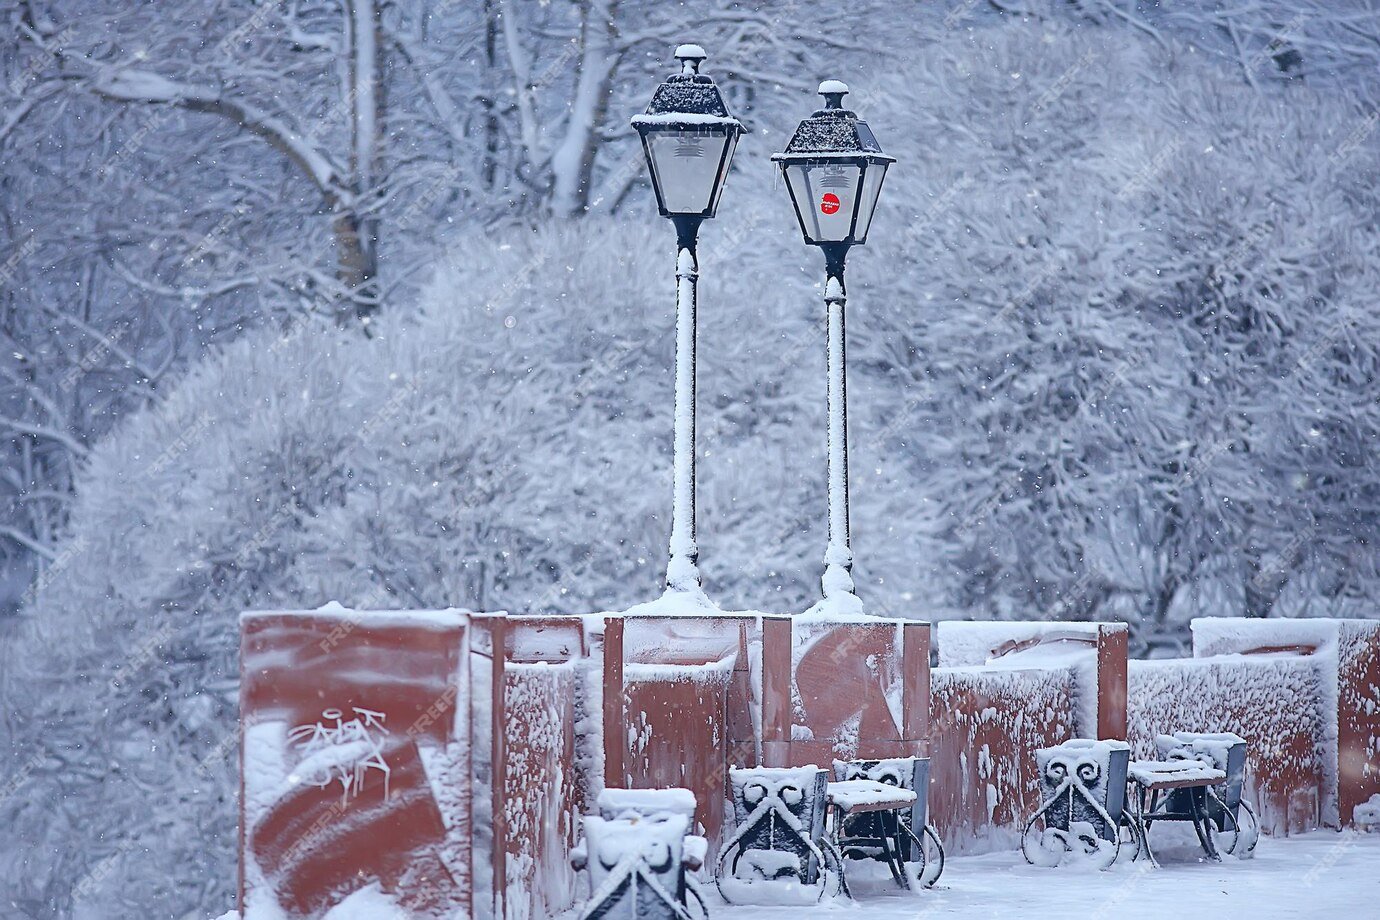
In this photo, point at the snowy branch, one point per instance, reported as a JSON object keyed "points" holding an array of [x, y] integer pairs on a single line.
{"points": [[144, 86]]}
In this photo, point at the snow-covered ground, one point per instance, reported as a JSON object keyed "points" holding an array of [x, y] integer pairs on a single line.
{"points": [[1323, 874]]}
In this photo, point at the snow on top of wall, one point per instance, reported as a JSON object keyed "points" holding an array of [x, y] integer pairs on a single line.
{"points": [[966, 642], [838, 608], [448, 618], [709, 672], [552, 645], [673, 603], [1051, 653], [1224, 635], [684, 639]]}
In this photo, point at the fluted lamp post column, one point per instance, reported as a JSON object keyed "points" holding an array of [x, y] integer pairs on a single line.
{"points": [[688, 138], [834, 167]]}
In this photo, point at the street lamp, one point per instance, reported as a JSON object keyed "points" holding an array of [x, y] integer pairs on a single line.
{"points": [[834, 168], [688, 138]]}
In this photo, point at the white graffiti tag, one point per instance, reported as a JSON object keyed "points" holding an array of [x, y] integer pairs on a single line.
{"points": [[339, 750]]}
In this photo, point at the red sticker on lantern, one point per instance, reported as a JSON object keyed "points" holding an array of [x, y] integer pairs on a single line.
{"points": [[829, 204]]}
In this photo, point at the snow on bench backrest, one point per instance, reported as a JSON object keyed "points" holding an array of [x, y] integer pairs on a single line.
{"points": [[1096, 772], [778, 810], [636, 867]]}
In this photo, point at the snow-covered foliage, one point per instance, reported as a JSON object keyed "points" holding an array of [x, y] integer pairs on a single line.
{"points": [[1130, 366], [1107, 360]]}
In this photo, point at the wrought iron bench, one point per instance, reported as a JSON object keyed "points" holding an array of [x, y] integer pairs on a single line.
{"points": [[639, 852], [893, 832], [779, 846], [1083, 804], [1199, 778]]}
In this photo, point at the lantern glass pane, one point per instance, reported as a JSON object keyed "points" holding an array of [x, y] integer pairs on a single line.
{"points": [[825, 197], [871, 192], [723, 171], [685, 167]]}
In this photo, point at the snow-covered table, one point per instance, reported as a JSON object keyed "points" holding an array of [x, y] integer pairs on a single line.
{"points": [[864, 796]]}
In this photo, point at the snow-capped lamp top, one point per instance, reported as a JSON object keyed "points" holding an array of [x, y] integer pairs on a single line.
{"points": [[834, 131], [690, 57], [833, 92], [688, 93]]}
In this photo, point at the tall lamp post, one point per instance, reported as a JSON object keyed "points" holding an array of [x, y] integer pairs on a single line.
{"points": [[688, 138], [834, 169]]}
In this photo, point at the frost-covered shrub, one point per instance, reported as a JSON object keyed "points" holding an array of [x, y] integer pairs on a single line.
{"points": [[1135, 305], [1113, 355], [506, 448]]}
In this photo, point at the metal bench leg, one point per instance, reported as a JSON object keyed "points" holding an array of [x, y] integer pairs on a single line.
{"points": [[831, 851], [1227, 816], [925, 875], [1144, 825], [831, 846], [1200, 824], [891, 849], [930, 877]]}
